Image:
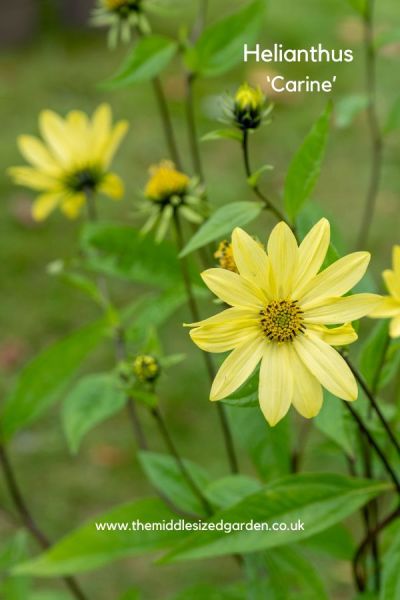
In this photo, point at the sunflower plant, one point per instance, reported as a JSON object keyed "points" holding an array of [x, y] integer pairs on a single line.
{"points": [[262, 305]]}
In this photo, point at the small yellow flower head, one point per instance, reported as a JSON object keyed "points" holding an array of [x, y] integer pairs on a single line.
{"points": [[166, 182], [121, 16], [71, 162], [169, 191], [390, 306], [224, 255], [282, 308], [146, 368], [249, 107]]}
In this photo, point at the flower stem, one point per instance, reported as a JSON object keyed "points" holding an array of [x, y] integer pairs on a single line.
{"points": [[182, 467], [374, 404], [375, 445], [246, 159], [373, 124], [27, 518], [192, 128], [227, 434], [166, 122]]}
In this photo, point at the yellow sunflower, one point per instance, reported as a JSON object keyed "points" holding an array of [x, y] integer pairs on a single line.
{"points": [[390, 305], [280, 308], [73, 160]]}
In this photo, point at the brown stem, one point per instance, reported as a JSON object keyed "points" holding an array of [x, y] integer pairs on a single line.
{"points": [[192, 128], [374, 127], [27, 518], [229, 445]]}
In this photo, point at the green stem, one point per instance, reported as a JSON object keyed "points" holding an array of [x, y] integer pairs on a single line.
{"points": [[181, 465], [166, 122], [227, 434], [192, 128], [27, 518], [373, 124], [247, 166]]}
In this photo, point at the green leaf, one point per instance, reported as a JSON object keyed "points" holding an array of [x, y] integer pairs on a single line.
{"points": [[316, 500], [390, 576], [305, 167], [359, 5], [92, 400], [333, 421], [223, 134], [220, 47], [222, 222], [291, 573], [373, 353], [148, 58], [89, 547], [209, 592], [255, 177], [247, 395], [122, 252], [43, 380], [393, 120], [163, 472], [231, 489], [336, 541], [348, 108], [268, 447]]}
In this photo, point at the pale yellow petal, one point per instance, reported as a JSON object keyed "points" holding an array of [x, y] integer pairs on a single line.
{"points": [[55, 133], [113, 143], [276, 382], [72, 206], [307, 391], [326, 365], [225, 337], [341, 310], [335, 336], [233, 289], [45, 204], [101, 127], [394, 328], [79, 136], [37, 154], [238, 367], [392, 282], [31, 178], [112, 186], [229, 315], [388, 307], [312, 252], [396, 260], [336, 280], [283, 255], [251, 260]]}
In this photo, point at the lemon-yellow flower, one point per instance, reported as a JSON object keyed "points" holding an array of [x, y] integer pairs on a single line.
{"points": [[224, 255], [280, 308], [390, 305], [249, 98], [165, 182], [73, 160]]}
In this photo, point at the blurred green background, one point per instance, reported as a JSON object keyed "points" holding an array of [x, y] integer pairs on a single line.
{"points": [[50, 59]]}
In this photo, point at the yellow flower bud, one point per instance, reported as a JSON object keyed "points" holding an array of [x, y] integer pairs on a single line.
{"points": [[146, 368], [224, 255], [165, 182]]}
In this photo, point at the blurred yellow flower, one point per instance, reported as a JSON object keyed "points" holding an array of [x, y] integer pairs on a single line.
{"points": [[146, 368], [390, 305], [72, 160], [224, 256], [122, 17], [170, 192], [280, 308]]}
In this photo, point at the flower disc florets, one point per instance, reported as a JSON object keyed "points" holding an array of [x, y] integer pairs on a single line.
{"points": [[146, 368], [224, 255], [282, 320]]}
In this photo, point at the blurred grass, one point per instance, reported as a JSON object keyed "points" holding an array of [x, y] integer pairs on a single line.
{"points": [[62, 72]]}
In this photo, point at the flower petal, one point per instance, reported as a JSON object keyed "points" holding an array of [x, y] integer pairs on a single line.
{"points": [[100, 130], [276, 382], [233, 289], [112, 186], [236, 313], [312, 252], [341, 310], [388, 307], [71, 207], [251, 260], [45, 204], [113, 142], [337, 279], [392, 282], [327, 366], [307, 391], [283, 254], [336, 336], [55, 133], [394, 328], [224, 337], [31, 178], [396, 260], [35, 152], [235, 369]]}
